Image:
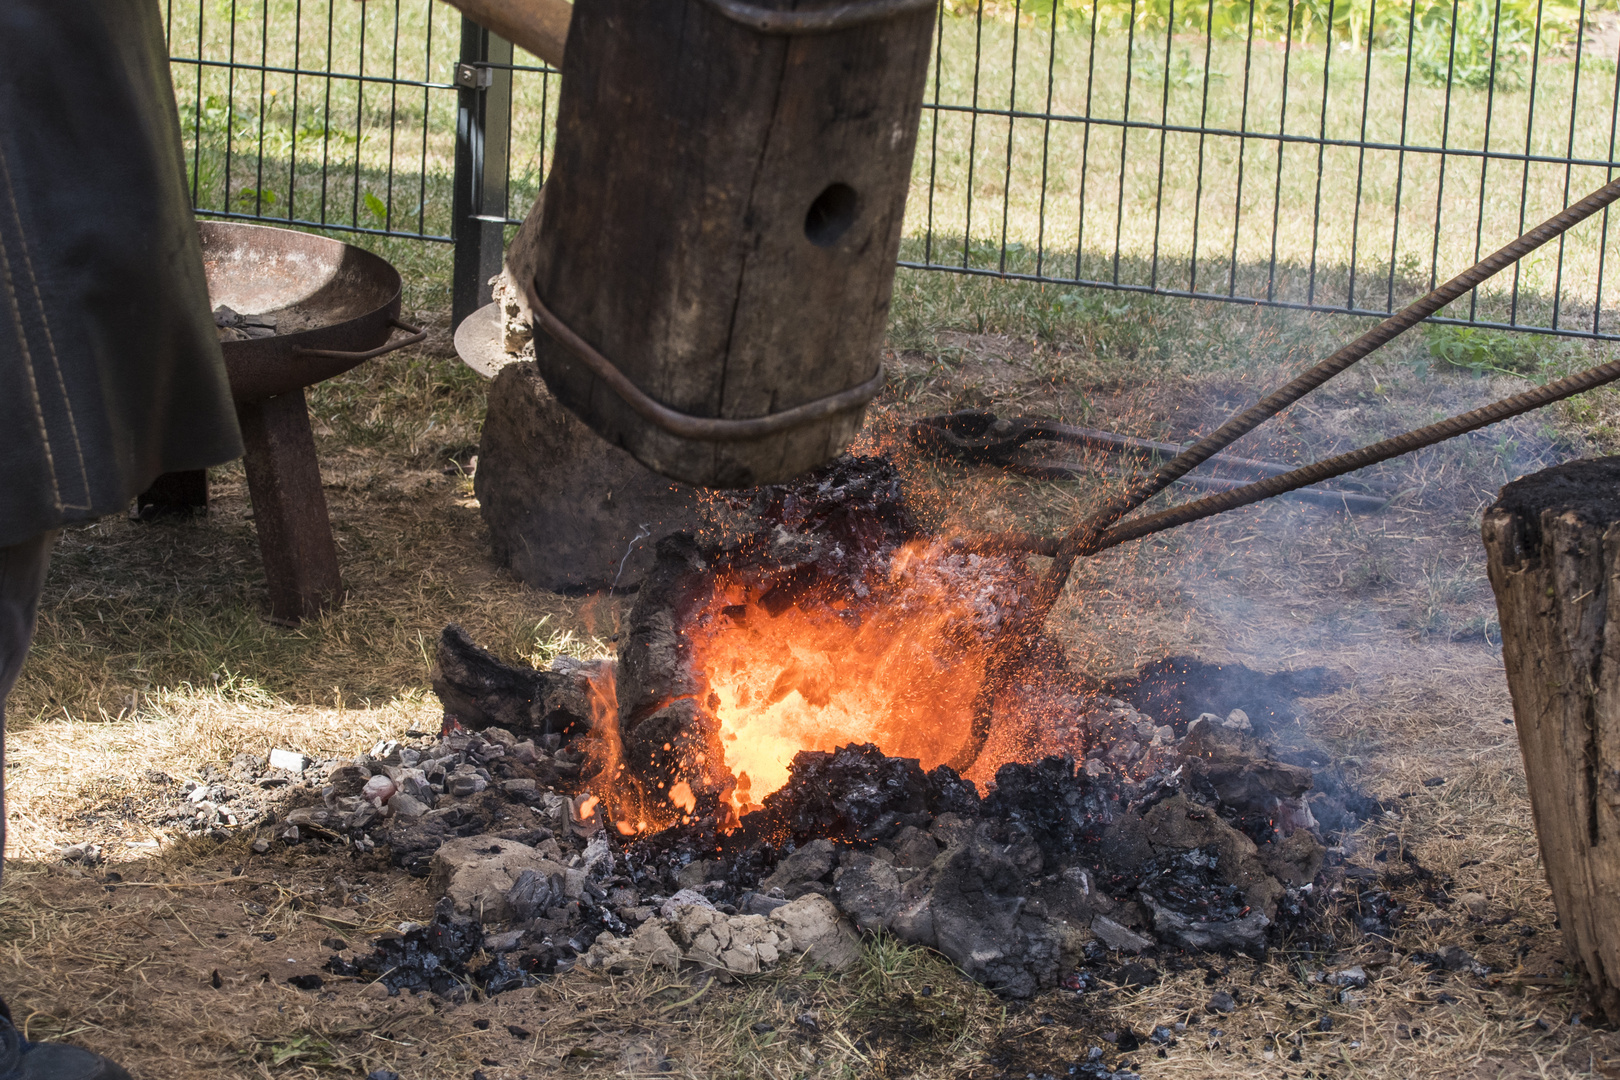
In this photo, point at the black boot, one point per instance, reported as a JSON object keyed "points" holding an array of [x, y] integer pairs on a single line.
{"points": [[24, 1060]]}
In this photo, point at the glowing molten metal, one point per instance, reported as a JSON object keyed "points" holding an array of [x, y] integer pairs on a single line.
{"points": [[899, 665]]}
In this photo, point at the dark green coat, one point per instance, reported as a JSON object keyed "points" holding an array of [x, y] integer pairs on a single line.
{"points": [[110, 369]]}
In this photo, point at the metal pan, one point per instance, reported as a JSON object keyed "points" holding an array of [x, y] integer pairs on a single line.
{"points": [[335, 305]]}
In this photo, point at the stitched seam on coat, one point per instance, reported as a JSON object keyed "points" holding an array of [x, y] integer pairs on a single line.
{"points": [[28, 369], [50, 341]]}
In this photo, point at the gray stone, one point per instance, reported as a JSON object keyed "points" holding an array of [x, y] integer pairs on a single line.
{"points": [[597, 859], [1240, 770], [574, 883], [555, 809], [532, 893], [867, 890], [1247, 933], [950, 829], [565, 509], [979, 920], [671, 908], [414, 783], [753, 903], [462, 785], [913, 920], [288, 761], [1118, 937], [348, 780], [813, 925], [407, 806], [1237, 720], [499, 943], [308, 815], [477, 874], [386, 752], [1222, 1002], [812, 862], [913, 847]]}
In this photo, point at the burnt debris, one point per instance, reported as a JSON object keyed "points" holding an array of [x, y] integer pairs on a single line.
{"points": [[584, 815], [1060, 867]]}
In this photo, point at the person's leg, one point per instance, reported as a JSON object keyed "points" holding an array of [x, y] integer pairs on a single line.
{"points": [[22, 576]]}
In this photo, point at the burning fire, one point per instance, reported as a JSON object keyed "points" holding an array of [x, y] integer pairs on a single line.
{"points": [[632, 809], [897, 661], [780, 662]]}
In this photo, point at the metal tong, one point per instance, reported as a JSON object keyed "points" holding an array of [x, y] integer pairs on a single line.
{"points": [[980, 437]]}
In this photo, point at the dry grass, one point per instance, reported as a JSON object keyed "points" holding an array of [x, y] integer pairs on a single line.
{"points": [[153, 654], [129, 970]]}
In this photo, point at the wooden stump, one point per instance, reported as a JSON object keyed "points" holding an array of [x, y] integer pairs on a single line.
{"points": [[1553, 547], [723, 215], [566, 511]]}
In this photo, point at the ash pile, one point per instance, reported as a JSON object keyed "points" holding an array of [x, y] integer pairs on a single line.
{"points": [[1219, 848], [1055, 876], [587, 815]]}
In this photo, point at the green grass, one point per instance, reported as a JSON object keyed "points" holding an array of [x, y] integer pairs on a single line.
{"points": [[1062, 197], [1067, 198]]}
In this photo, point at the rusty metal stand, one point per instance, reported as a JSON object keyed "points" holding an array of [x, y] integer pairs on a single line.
{"points": [[289, 508]]}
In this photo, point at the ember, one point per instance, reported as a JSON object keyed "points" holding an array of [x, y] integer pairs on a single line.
{"points": [[897, 660], [795, 734], [836, 621]]}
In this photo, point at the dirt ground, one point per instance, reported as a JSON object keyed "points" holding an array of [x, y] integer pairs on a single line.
{"points": [[154, 658]]}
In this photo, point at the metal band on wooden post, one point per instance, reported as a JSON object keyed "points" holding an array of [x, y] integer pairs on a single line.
{"points": [[822, 21], [685, 425]]}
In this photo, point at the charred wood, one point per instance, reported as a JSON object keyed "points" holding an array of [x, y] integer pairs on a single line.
{"points": [[479, 690]]}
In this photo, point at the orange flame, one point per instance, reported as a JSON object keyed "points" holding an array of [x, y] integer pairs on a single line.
{"points": [[624, 800], [899, 666]]}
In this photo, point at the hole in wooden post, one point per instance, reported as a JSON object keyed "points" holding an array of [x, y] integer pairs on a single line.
{"points": [[830, 215]]}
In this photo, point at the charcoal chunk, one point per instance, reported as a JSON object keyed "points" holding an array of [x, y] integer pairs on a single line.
{"points": [[532, 893]]}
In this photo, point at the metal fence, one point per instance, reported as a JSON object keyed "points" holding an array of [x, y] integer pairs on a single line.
{"points": [[1332, 155]]}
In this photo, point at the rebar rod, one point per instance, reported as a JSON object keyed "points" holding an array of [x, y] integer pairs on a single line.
{"points": [[1405, 443], [1102, 530], [1083, 538]]}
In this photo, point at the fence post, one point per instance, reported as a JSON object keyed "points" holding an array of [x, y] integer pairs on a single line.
{"points": [[483, 120]]}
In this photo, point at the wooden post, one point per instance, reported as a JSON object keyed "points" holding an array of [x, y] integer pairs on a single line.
{"points": [[1553, 551], [723, 215], [289, 508]]}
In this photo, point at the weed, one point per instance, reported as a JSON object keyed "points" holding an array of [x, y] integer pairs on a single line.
{"points": [[1480, 350]]}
